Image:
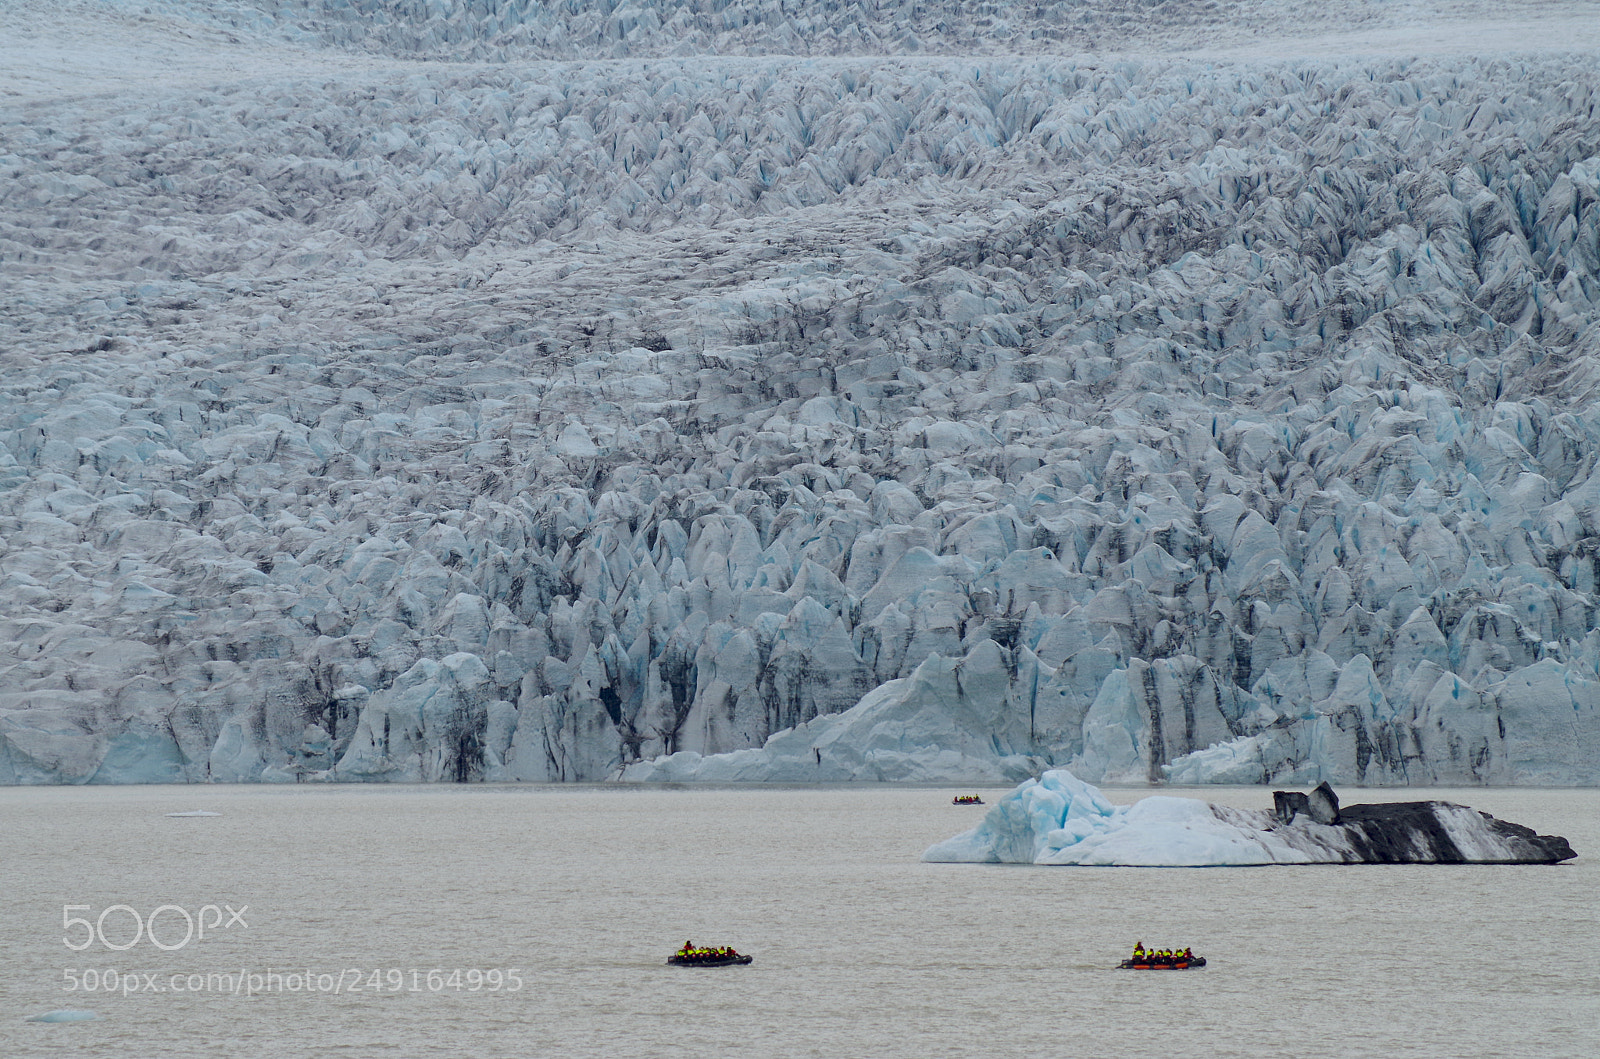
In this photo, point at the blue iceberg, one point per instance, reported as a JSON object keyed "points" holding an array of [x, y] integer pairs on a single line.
{"points": [[65, 1015]]}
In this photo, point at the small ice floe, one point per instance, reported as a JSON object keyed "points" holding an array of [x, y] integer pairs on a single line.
{"points": [[196, 812], [65, 1015]]}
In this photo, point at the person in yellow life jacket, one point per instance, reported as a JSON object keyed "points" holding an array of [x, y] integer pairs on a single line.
{"points": [[1138, 949]]}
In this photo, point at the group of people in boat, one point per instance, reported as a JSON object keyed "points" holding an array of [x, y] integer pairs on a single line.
{"points": [[1160, 956], [966, 799], [720, 952]]}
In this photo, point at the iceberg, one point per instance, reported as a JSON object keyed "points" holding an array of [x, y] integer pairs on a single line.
{"points": [[1059, 819]]}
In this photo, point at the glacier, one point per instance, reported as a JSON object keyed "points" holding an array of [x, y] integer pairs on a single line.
{"points": [[1059, 819], [482, 390]]}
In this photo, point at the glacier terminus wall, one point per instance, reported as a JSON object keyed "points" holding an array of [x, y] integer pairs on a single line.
{"points": [[492, 391]]}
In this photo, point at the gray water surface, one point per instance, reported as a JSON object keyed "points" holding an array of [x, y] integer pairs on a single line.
{"points": [[353, 895]]}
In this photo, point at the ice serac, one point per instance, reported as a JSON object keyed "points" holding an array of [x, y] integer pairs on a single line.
{"points": [[951, 720], [1059, 819], [485, 390]]}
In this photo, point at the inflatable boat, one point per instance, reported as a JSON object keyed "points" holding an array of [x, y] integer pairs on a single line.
{"points": [[708, 959], [1145, 963]]}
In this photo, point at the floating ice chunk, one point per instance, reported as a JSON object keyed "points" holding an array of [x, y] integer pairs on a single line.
{"points": [[65, 1015], [1058, 819]]}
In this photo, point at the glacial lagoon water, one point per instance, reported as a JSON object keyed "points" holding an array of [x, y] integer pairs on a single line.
{"points": [[558, 906]]}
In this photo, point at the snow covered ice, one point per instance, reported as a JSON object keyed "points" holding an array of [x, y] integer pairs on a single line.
{"points": [[1059, 819], [484, 390]]}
